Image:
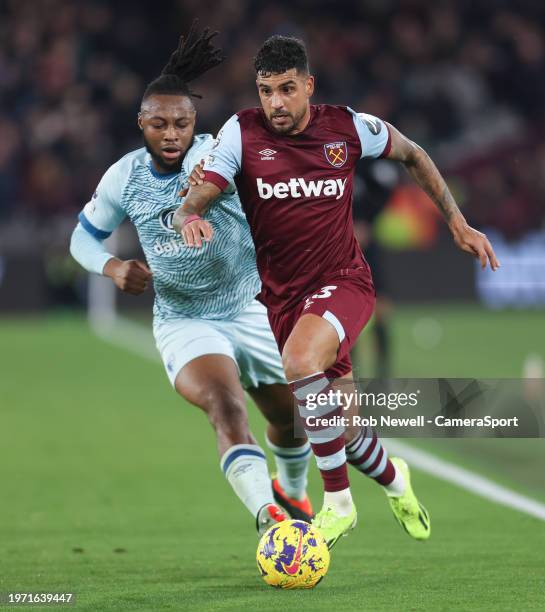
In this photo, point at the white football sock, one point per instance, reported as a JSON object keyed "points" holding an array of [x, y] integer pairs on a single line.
{"points": [[245, 467], [340, 501], [397, 487], [292, 468]]}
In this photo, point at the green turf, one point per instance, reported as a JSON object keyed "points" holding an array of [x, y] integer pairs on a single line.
{"points": [[98, 455], [462, 341], [470, 342]]}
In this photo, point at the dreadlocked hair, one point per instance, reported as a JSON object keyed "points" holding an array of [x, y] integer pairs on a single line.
{"points": [[194, 56]]}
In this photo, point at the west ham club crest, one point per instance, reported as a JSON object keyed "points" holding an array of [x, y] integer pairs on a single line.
{"points": [[336, 153]]}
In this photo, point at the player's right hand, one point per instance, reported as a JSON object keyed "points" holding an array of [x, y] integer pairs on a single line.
{"points": [[131, 276], [194, 232]]}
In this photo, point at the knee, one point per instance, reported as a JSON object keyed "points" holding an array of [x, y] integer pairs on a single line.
{"points": [[299, 363]]}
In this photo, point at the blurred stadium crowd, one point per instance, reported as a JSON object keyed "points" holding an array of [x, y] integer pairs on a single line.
{"points": [[464, 78]]}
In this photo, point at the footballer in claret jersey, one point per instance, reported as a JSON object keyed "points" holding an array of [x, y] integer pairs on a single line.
{"points": [[293, 164]]}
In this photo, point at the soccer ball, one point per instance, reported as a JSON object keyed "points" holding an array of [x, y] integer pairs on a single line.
{"points": [[292, 555]]}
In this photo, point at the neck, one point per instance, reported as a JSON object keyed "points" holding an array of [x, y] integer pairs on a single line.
{"points": [[162, 170]]}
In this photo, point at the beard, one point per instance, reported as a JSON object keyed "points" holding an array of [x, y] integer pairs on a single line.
{"points": [[291, 123], [162, 164]]}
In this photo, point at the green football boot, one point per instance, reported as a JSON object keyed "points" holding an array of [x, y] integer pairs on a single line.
{"points": [[332, 526], [408, 511]]}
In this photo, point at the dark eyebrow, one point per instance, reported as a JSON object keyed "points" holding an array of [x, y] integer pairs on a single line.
{"points": [[290, 82], [159, 118]]}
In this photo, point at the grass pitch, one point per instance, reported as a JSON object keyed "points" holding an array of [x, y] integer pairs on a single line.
{"points": [[111, 487]]}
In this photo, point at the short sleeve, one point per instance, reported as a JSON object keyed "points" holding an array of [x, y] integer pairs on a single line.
{"points": [[224, 161], [202, 145], [373, 133], [103, 213]]}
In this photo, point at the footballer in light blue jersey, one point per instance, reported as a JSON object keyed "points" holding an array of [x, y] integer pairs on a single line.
{"points": [[213, 336], [217, 282]]}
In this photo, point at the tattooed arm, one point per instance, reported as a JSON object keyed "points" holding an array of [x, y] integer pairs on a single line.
{"points": [[187, 219], [425, 173]]}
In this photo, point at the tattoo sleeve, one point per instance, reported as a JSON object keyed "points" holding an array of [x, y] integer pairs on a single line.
{"points": [[425, 173]]}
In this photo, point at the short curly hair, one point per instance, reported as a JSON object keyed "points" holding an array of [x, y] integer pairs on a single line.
{"points": [[281, 53]]}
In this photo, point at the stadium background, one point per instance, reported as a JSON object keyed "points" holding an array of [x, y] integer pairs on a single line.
{"points": [[110, 484]]}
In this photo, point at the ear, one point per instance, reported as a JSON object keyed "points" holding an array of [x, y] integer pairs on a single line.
{"points": [[309, 86], [140, 124]]}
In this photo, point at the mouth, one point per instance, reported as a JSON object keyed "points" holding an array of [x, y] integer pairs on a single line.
{"points": [[171, 153], [279, 118]]}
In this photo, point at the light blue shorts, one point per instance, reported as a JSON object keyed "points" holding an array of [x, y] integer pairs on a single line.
{"points": [[247, 339]]}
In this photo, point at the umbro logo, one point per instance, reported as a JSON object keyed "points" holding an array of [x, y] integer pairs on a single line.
{"points": [[267, 154]]}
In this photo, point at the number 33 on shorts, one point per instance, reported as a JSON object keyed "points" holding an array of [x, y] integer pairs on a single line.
{"points": [[324, 292]]}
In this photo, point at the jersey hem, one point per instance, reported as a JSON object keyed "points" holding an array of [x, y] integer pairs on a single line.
{"points": [[388, 146]]}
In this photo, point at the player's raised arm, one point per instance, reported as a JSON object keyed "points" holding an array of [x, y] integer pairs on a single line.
{"points": [[421, 167], [188, 219], [220, 168]]}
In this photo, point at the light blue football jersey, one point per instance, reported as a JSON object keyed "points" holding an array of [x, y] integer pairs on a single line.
{"points": [[216, 281]]}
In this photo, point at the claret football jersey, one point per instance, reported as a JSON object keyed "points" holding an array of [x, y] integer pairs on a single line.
{"points": [[296, 192]]}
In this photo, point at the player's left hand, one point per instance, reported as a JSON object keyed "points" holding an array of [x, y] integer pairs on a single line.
{"points": [[475, 243], [195, 178]]}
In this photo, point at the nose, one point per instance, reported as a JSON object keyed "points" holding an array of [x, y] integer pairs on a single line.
{"points": [[171, 133], [276, 101]]}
